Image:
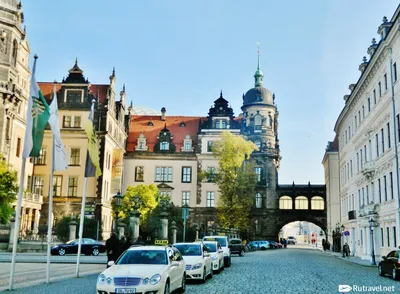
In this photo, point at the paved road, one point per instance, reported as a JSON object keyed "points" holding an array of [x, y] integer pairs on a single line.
{"points": [[292, 270]]}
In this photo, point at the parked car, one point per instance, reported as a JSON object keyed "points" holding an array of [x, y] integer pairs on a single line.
{"points": [[144, 269], [389, 265], [198, 260], [260, 245], [223, 241], [217, 255], [291, 240], [88, 247], [237, 247], [273, 244]]}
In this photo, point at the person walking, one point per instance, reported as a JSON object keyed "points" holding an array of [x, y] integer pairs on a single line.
{"points": [[112, 246], [125, 245]]}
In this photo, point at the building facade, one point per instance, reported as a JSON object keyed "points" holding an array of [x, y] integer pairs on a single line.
{"points": [[14, 90], [75, 95], [368, 130]]}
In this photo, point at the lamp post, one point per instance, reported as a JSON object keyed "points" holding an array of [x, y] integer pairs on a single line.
{"points": [[371, 229], [118, 203], [342, 239]]}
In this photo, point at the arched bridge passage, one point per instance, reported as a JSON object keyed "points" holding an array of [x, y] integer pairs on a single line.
{"points": [[312, 194]]}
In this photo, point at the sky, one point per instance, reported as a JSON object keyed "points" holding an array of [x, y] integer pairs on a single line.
{"points": [[180, 54]]}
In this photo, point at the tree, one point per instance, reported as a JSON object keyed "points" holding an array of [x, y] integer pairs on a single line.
{"points": [[149, 197], [236, 180], [8, 190]]}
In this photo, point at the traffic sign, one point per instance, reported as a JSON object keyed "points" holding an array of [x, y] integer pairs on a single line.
{"points": [[346, 233]]}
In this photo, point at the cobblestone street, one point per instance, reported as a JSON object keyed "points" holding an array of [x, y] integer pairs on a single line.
{"points": [[291, 270]]}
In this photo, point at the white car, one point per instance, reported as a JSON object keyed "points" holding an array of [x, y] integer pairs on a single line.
{"points": [[217, 255], [144, 269], [223, 241], [198, 260]]}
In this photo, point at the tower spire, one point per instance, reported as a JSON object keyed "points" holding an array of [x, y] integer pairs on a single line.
{"points": [[258, 76]]}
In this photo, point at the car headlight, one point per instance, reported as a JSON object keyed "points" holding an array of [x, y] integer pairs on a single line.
{"points": [[214, 258], [109, 281], [197, 266], [101, 279], [145, 281], [155, 279]]}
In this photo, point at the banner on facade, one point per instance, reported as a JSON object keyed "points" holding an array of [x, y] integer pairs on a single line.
{"points": [[116, 171]]}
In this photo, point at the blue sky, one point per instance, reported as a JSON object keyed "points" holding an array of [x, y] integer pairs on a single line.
{"points": [[180, 54]]}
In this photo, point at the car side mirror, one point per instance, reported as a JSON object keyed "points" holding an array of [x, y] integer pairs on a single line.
{"points": [[206, 254], [111, 263]]}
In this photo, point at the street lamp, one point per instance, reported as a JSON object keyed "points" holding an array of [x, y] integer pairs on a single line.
{"points": [[118, 203], [342, 238], [371, 229]]}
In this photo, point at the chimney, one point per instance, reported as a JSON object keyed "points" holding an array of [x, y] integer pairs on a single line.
{"points": [[372, 48], [163, 111]]}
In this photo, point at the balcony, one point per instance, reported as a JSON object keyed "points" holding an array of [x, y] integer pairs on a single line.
{"points": [[352, 215], [368, 209], [32, 197], [368, 169]]}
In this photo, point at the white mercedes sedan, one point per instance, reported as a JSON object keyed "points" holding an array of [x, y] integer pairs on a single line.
{"points": [[217, 255], [144, 269]]}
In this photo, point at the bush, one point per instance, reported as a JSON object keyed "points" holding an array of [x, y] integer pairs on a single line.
{"points": [[62, 228]]}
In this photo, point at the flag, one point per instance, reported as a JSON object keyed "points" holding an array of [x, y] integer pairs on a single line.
{"points": [[92, 168], [36, 120], [60, 161]]}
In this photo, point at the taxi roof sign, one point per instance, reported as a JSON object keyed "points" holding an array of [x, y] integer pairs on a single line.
{"points": [[161, 242]]}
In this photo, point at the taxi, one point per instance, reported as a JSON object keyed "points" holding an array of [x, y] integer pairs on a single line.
{"points": [[198, 260], [144, 269], [217, 255], [223, 241]]}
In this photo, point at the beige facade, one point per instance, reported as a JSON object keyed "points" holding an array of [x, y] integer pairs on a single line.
{"points": [[14, 90], [368, 132]]}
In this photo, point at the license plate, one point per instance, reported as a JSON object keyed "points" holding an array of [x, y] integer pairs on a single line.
{"points": [[125, 290]]}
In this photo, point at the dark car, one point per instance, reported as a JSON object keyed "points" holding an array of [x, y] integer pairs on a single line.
{"points": [[236, 246], [273, 245], [390, 265], [89, 247]]}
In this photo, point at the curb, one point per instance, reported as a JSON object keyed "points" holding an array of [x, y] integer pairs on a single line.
{"points": [[349, 261]]}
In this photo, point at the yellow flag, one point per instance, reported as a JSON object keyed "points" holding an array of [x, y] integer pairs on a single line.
{"points": [[92, 168]]}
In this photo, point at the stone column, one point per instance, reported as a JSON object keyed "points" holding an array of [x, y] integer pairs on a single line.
{"points": [[72, 229], [196, 227], [29, 221], [23, 220], [36, 223], [164, 225], [174, 229], [12, 232], [134, 223]]}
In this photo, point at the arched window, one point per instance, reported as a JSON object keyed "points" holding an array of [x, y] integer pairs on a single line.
{"points": [[270, 121], [301, 202], [14, 53], [317, 203], [258, 200], [285, 202], [257, 121]]}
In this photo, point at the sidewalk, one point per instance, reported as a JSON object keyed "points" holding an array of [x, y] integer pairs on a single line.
{"points": [[352, 259]]}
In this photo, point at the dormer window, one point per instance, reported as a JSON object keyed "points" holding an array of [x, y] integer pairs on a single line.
{"points": [[164, 146], [150, 124], [141, 143], [187, 144], [182, 124]]}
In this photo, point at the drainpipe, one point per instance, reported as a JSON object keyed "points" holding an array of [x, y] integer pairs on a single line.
{"points": [[396, 154]]}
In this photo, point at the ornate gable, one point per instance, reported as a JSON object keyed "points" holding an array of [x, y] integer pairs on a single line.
{"points": [[164, 142]]}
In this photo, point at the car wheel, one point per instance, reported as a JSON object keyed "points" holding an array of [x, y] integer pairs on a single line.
{"points": [[204, 276], [241, 253], [61, 251], [262, 248], [394, 274], [166, 289], [95, 251], [381, 273], [182, 289]]}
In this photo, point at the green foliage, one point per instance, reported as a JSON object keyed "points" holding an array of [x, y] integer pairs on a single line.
{"points": [[62, 228], [8, 190], [236, 181]]}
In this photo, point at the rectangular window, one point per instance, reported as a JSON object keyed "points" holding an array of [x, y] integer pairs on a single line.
{"points": [[258, 171], [379, 191], [395, 71], [163, 174], [349, 133], [391, 185], [18, 151], [383, 140], [363, 111], [377, 145], [361, 158], [66, 121], [388, 236], [394, 237], [211, 174], [57, 186], [223, 124], [374, 96], [355, 121], [74, 96], [359, 118], [29, 188], [77, 121], [386, 81], [139, 174], [359, 198], [209, 146], [188, 145], [75, 158], [186, 174], [358, 162], [363, 196], [380, 89], [365, 153], [372, 191], [361, 237], [42, 159], [369, 104], [210, 199], [398, 128], [367, 193], [382, 238], [385, 187], [185, 198], [388, 134], [38, 186], [73, 186]]}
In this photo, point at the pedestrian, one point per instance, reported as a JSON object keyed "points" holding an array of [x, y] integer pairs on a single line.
{"points": [[284, 243], [124, 246], [324, 244], [112, 246], [139, 241], [346, 250]]}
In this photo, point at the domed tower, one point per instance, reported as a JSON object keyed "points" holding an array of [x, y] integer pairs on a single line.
{"points": [[260, 125]]}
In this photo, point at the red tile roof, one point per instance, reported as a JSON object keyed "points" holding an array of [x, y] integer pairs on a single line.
{"points": [[99, 91], [48, 89], [140, 124]]}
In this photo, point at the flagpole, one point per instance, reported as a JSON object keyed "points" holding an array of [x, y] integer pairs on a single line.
{"points": [[81, 226], [19, 205]]}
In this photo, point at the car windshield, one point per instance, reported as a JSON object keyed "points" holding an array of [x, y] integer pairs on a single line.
{"points": [[211, 247], [221, 240], [143, 257], [235, 242], [189, 249]]}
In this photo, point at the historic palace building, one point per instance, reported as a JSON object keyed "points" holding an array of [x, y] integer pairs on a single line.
{"points": [[171, 150], [368, 134], [75, 95]]}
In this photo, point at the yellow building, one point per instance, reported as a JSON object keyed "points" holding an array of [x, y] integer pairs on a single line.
{"points": [[74, 96]]}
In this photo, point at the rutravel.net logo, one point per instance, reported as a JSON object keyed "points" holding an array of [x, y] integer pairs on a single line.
{"points": [[358, 288]]}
